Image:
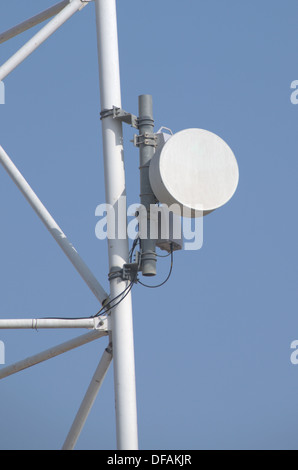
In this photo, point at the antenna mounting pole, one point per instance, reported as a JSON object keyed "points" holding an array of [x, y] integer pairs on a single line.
{"points": [[147, 150]]}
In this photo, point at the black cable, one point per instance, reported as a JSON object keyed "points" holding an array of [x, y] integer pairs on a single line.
{"points": [[169, 275], [163, 256], [135, 243], [126, 291], [106, 308]]}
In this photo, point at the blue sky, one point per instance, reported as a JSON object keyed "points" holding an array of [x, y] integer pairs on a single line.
{"points": [[213, 345]]}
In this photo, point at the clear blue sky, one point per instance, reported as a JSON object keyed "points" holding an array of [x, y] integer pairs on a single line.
{"points": [[213, 345]]}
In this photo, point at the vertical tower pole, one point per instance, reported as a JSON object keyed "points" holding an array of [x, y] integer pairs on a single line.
{"points": [[147, 150], [122, 322]]}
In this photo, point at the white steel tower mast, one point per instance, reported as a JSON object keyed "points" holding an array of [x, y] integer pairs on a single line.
{"points": [[163, 180]]}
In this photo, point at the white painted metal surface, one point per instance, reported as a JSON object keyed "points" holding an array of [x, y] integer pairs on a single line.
{"points": [[34, 21], [49, 323], [53, 227], [41, 36], [122, 321], [196, 170], [89, 400], [51, 352]]}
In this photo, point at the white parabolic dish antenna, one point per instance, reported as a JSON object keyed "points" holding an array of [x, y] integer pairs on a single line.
{"points": [[195, 169]]}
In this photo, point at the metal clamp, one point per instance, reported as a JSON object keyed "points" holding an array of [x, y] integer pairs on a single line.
{"points": [[128, 273], [121, 115], [145, 139]]}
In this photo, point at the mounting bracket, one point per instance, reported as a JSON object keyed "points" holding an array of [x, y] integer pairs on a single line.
{"points": [[145, 139], [129, 272], [121, 115]]}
